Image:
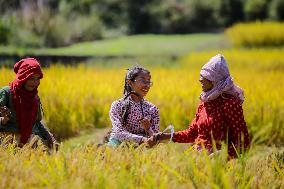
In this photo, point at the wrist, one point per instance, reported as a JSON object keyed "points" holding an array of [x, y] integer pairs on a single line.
{"points": [[157, 137], [165, 136], [3, 121], [143, 140]]}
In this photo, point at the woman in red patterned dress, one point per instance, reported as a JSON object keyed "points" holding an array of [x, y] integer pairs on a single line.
{"points": [[219, 116]]}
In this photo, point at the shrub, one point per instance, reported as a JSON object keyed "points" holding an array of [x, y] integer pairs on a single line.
{"points": [[228, 12], [4, 33], [181, 16], [256, 9], [276, 10], [256, 34]]}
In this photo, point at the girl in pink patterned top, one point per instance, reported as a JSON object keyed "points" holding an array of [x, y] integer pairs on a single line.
{"points": [[133, 118], [219, 115]]}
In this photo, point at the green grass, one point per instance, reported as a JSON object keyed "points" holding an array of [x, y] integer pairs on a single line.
{"points": [[87, 137], [139, 45]]}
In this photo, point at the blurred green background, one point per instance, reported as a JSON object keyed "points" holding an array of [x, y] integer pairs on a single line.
{"points": [[55, 23]]}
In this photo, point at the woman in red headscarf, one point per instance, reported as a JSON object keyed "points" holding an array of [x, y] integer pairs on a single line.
{"points": [[20, 106]]}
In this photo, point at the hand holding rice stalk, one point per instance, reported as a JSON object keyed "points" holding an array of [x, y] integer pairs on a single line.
{"points": [[165, 135], [5, 114]]}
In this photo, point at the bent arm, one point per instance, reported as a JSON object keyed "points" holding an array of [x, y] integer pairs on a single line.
{"points": [[189, 135], [4, 99], [42, 131]]}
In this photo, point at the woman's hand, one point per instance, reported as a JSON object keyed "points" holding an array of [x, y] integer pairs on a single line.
{"points": [[6, 114], [161, 136], [145, 124], [151, 141], [51, 142], [143, 140]]}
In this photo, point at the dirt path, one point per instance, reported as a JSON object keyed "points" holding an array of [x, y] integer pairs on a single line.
{"points": [[92, 137]]}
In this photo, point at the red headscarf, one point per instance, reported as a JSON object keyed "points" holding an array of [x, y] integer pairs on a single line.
{"points": [[26, 102]]}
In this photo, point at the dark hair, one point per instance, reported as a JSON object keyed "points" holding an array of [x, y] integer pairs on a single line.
{"points": [[131, 75]]}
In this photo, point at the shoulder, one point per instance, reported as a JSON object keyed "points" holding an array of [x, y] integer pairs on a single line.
{"points": [[228, 99], [117, 104], [151, 106], [5, 90]]}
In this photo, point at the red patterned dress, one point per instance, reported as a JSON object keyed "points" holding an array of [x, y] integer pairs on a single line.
{"points": [[220, 119]]}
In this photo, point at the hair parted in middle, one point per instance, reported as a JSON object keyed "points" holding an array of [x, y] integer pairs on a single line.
{"points": [[131, 75]]}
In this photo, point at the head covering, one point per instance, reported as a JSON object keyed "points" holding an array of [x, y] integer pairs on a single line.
{"points": [[216, 70], [26, 102]]}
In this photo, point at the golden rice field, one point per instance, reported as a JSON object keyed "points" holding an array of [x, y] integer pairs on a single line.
{"points": [[256, 34], [78, 98], [165, 166]]}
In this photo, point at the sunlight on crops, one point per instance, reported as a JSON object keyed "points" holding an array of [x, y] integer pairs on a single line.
{"points": [[78, 98], [166, 166]]}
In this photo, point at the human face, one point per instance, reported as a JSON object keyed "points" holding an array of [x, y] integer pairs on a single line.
{"points": [[32, 83], [206, 84], [141, 84]]}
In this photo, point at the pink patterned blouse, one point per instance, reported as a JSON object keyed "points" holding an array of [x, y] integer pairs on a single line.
{"points": [[133, 131]]}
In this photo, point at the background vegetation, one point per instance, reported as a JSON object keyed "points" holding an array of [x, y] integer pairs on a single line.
{"points": [[263, 34], [55, 23]]}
